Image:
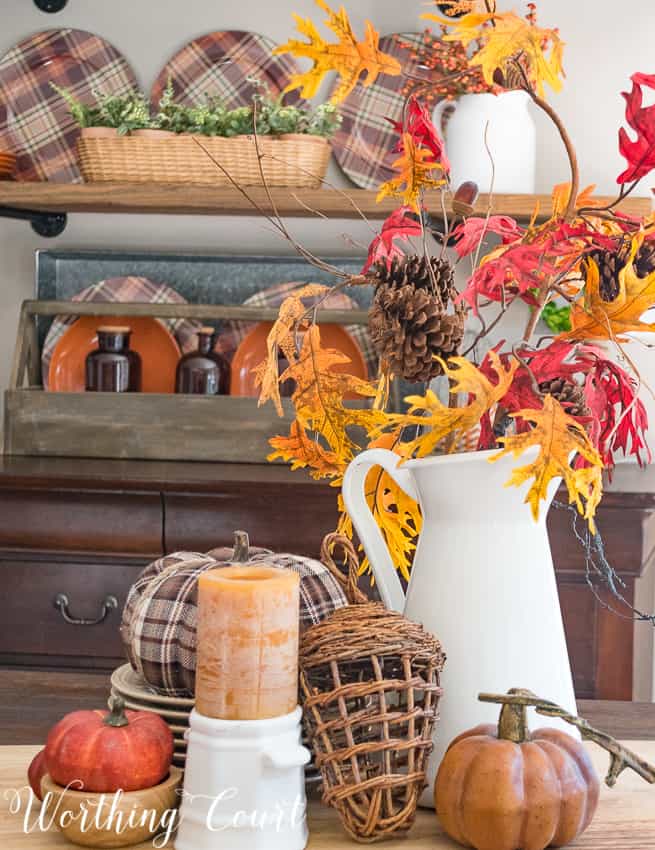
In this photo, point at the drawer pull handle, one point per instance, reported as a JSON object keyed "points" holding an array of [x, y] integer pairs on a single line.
{"points": [[62, 602]]}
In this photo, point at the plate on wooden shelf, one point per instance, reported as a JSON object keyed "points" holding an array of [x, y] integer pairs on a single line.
{"points": [[121, 290], [179, 718], [150, 339], [252, 351], [233, 333], [219, 64], [35, 122], [128, 683], [363, 145]]}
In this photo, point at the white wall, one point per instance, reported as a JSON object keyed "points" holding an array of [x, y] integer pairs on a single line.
{"points": [[605, 44]]}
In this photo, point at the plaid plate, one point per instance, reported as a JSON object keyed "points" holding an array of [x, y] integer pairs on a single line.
{"points": [[158, 626], [363, 144], [121, 290], [234, 332], [35, 123], [219, 64]]}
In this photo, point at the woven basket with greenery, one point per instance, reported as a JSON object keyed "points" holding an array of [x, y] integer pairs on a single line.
{"points": [[370, 687], [295, 160]]}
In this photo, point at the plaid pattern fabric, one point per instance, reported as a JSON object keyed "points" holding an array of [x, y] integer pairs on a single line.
{"points": [[234, 332], [158, 626], [219, 64], [121, 290], [35, 123], [363, 144]]}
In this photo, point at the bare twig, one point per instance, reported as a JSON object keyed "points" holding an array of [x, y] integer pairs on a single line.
{"points": [[620, 757]]}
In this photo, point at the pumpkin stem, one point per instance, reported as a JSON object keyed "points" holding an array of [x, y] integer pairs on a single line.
{"points": [[241, 547], [513, 722], [116, 716]]}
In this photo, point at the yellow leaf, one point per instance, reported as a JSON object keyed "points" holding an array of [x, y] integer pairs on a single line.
{"points": [[439, 420], [416, 167], [594, 318], [397, 515], [282, 337], [350, 58], [558, 435], [509, 38], [320, 390]]}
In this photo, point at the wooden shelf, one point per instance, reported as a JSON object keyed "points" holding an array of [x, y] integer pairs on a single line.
{"points": [[206, 200]]}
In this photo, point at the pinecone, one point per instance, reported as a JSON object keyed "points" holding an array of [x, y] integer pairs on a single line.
{"points": [[645, 260], [609, 265], [416, 271], [568, 394], [408, 320]]}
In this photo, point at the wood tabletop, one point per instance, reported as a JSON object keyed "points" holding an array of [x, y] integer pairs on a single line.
{"points": [[625, 819], [31, 701]]}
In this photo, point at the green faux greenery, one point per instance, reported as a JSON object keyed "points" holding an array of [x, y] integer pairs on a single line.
{"points": [[209, 117], [557, 318], [123, 113]]}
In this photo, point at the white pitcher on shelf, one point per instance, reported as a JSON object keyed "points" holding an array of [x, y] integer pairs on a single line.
{"points": [[511, 138], [482, 581]]}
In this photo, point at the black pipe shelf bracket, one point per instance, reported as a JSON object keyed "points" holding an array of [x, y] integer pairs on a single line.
{"points": [[51, 6], [46, 224]]}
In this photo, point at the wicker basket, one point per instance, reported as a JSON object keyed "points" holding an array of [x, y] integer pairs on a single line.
{"points": [[294, 160], [370, 686]]}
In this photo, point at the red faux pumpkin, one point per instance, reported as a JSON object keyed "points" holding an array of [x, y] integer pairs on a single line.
{"points": [[35, 773], [130, 750]]}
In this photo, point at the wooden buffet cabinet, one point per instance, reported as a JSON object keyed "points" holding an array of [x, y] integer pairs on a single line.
{"points": [[84, 528]]}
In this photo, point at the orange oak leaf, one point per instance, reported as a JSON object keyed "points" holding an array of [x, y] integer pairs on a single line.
{"points": [[440, 421], [302, 451], [505, 36], [350, 58], [282, 337], [560, 198], [416, 169], [594, 318], [558, 436]]}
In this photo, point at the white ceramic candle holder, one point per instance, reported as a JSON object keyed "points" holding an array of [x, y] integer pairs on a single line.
{"points": [[244, 785]]}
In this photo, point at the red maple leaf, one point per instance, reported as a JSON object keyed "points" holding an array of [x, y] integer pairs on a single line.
{"points": [[418, 123], [469, 233], [619, 419], [401, 224], [639, 153], [517, 271]]}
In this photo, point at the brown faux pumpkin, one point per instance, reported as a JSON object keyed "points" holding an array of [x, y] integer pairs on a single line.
{"points": [[502, 788], [158, 626]]}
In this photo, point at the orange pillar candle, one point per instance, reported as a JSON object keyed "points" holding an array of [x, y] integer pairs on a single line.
{"points": [[247, 660]]}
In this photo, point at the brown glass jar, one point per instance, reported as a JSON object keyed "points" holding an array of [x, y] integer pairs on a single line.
{"points": [[113, 367], [203, 371]]}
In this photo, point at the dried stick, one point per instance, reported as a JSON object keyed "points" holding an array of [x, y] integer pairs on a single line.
{"points": [[620, 757]]}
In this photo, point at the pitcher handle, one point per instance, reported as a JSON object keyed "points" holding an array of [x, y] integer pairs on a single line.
{"points": [[354, 498]]}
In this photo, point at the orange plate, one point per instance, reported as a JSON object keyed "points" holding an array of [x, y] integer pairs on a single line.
{"points": [[252, 351], [157, 347]]}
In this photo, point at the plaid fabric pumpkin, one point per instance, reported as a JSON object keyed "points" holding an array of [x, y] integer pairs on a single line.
{"points": [[158, 627]]}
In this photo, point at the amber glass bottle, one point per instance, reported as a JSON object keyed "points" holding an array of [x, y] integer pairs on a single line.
{"points": [[113, 367], [203, 372]]}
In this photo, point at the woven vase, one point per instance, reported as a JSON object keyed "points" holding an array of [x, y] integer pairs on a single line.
{"points": [[370, 687]]}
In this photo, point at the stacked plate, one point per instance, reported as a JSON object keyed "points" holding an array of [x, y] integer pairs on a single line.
{"points": [[7, 165], [139, 696]]}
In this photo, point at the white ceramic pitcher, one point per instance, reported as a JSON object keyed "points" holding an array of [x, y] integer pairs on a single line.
{"points": [[511, 138], [482, 582]]}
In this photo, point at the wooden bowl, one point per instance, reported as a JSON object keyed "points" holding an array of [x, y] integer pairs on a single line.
{"points": [[159, 799]]}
